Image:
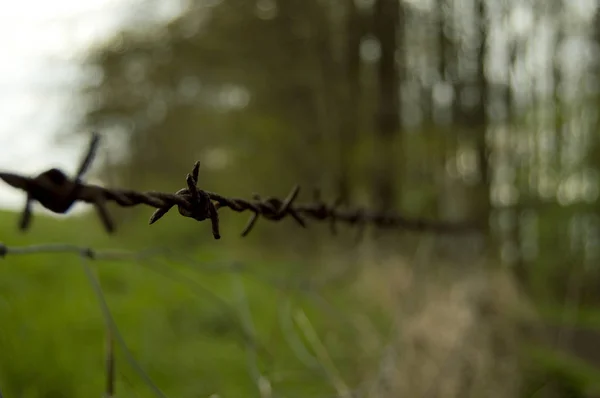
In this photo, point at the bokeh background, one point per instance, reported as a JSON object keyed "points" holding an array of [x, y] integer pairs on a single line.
{"points": [[484, 111]]}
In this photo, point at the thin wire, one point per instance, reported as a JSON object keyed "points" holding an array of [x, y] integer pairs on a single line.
{"points": [[85, 254], [115, 330]]}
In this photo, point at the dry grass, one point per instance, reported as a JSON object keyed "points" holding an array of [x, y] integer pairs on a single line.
{"points": [[457, 330]]}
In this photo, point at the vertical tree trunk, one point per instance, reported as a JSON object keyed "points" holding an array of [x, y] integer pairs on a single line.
{"points": [[557, 100], [596, 32], [454, 51], [444, 47], [444, 44], [388, 26], [351, 98], [596, 72], [479, 119], [514, 234]]}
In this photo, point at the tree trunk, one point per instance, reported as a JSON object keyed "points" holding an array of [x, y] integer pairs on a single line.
{"points": [[514, 234], [387, 26], [351, 90], [479, 120]]}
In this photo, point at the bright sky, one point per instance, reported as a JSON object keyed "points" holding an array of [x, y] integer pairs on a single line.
{"points": [[39, 44]]}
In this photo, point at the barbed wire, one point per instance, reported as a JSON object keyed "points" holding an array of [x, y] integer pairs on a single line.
{"points": [[56, 192]]}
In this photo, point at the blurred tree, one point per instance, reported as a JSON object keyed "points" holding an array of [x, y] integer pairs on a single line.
{"points": [[351, 95], [388, 25], [595, 73], [478, 114], [512, 250], [191, 73], [288, 91]]}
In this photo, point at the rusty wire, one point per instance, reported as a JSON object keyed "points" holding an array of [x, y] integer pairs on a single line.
{"points": [[56, 192]]}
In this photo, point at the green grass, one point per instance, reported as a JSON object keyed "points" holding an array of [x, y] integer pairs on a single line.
{"points": [[184, 321], [206, 319]]}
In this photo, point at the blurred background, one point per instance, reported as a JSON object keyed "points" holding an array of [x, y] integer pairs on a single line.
{"points": [[483, 111]]}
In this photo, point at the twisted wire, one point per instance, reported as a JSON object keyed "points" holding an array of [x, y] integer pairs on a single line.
{"points": [[56, 192]]}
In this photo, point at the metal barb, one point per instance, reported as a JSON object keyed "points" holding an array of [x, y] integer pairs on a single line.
{"points": [[55, 191]]}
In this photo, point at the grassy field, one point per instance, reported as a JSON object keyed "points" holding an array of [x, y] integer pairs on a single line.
{"points": [[197, 323], [214, 320]]}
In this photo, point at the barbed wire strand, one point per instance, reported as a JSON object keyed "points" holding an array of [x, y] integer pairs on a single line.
{"points": [[56, 192]]}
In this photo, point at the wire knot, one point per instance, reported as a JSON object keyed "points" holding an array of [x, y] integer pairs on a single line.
{"points": [[274, 209], [55, 191], [198, 204]]}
